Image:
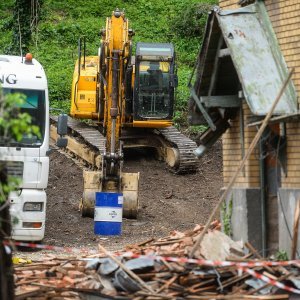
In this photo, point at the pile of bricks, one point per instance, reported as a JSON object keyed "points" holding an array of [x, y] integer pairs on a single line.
{"points": [[54, 278], [140, 276]]}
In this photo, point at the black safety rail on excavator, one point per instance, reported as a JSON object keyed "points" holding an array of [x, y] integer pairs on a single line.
{"points": [[92, 137]]}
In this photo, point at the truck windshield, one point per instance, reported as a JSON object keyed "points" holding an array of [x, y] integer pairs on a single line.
{"points": [[154, 89], [34, 105]]}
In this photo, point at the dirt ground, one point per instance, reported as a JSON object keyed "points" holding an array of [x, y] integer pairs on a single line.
{"points": [[167, 201]]}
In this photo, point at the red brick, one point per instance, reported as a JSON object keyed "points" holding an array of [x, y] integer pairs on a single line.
{"points": [[75, 274], [68, 279]]}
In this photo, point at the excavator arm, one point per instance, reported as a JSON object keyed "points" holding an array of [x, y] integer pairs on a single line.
{"points": [[106, 102]]}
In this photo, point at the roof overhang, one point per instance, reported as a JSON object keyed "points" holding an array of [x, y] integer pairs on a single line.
{"points": [[240, 52]]}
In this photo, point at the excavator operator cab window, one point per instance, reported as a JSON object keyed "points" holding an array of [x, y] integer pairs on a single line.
{"points": [[154, 89]]}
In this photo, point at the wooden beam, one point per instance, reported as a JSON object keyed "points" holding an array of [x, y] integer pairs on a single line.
{"points": [[224, 53], [202, 109], [216, 66], [295, 117], [221, 101]]}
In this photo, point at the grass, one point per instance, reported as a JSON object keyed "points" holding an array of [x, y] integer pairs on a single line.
{"points": [[63, 22]]}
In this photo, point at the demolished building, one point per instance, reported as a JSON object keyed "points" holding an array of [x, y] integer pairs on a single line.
{"points": [[246, 55]]}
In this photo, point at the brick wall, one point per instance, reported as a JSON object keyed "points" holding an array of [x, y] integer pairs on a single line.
{"points": [[285, 18]]}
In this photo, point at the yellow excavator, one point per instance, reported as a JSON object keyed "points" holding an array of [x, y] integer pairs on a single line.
{"points": [[131, 99]]}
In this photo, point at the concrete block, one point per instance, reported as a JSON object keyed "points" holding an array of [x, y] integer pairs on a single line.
{"points": [[287, 199], [246, 215]]}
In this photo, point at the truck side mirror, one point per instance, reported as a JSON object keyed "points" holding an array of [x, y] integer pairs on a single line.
{"points": [[62, 129], [174, 80], [62, 124]]}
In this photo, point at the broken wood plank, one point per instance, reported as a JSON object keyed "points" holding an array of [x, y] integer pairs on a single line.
{"points": [[255, 252], [283, 277], [225, 297], [167, 284], [295, 230], [154, 296]]}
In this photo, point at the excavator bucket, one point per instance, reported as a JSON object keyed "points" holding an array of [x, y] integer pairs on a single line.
{"points": [[93, 184], [130, 186]]}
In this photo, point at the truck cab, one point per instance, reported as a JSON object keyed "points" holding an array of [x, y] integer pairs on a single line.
{"points": [[27, 159]]}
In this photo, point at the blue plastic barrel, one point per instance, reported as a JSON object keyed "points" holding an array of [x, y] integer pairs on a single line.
{"points": [[108, 213]]}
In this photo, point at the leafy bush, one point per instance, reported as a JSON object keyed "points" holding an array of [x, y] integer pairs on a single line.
{"points": [[54, 44], [191, 21], [281, 255]]}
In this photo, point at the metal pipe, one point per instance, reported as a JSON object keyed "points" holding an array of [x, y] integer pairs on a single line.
{"points": [[113, 136], [79, 56], [84, 48], [100, 98], [79, 66], [242, 134], [114, 96], [262, 196], [115, 83]]}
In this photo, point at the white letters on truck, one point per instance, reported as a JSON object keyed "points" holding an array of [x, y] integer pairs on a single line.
{"points": [[28, 158]]}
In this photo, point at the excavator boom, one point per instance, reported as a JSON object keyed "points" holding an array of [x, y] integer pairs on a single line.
{"points": [[98, 94]]}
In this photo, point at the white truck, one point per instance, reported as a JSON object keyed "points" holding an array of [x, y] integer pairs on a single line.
{"points": [[27, 159]]}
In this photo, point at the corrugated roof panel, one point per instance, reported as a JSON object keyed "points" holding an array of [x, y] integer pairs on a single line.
{"points": [[255, 57]]}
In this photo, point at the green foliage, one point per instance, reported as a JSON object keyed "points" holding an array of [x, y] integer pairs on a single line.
{"points": [[24, 22], [13, 126], [5, 188], [196, 129], [58, 107], [226, 213], [180, 119], [54, 43], [281, 255], [5, 24], [191, 21]]}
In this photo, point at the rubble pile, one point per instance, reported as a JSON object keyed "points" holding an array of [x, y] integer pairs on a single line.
{"points": [[139, 273]]}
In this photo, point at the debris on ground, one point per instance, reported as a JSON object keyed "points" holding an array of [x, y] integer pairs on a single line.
{"points": [[156, 269]]}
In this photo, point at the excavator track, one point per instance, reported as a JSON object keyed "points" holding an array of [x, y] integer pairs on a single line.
{"points": [[86, 136], [187, 160], [90, 137]]}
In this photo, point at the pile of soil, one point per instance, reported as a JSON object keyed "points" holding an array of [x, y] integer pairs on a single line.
{"points": [[167, 201]]}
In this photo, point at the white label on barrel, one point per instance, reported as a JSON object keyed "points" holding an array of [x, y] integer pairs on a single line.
{"points": [[120, 199], [108, 214]]}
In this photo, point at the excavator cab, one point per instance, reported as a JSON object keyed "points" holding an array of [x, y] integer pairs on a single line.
{"points": [[155, 81]]}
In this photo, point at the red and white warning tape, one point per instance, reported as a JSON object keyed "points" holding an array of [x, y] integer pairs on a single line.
{"points": [[49, 247], [216, 263], [243, 266], [270, 281], [129, 254]]}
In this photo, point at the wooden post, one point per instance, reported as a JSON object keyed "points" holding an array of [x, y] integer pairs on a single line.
{"points": [[295, 230]]}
